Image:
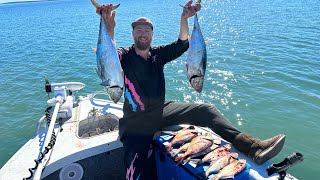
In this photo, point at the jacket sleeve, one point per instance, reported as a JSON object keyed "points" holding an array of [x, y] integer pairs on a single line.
{"points": [[172, 51], [121, 51]]}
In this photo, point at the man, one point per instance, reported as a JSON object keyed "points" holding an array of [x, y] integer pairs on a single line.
{"points": [[145, 108]]}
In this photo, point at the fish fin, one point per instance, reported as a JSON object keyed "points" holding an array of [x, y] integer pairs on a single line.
{"points": [[94, 50], [187, 160], [213, 147], [227, 147], [200, 162], [164, 149], [206, 42], [175, 152], [115, 7], [179, 159], [234, 155], [195, 161], [217, 141], [168, 147], [188, 76], [228, 177], [208, 138], [96, 5], [215, 178]]}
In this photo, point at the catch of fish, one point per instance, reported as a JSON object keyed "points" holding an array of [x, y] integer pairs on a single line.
{"points": [[231, 170], [108, 64], [190, 145], [197, 57], [215, 154], [197, 146], [181, 137]]}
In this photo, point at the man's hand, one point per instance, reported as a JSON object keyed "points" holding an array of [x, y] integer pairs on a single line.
{"points": [[190, 10], [106, 11], [108, 14]]}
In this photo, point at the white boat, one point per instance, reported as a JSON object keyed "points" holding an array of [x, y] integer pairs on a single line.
{"points": [[77, 138]]}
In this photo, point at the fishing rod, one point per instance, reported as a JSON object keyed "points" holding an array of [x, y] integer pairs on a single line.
{"points": [[41, 165]]}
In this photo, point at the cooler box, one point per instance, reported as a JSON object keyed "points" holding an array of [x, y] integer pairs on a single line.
{"points": [[167, 168]]}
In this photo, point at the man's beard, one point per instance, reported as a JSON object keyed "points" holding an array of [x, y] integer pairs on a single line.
{"points": [[142, 45]]}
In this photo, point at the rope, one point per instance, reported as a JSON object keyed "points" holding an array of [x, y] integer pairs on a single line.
{"points": [[46, 149]]}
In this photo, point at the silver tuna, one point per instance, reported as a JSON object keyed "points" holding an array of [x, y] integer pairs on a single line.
{"points": [[108, 64], [197, 57]]}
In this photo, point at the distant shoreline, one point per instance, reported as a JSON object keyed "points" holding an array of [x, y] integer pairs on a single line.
{"points": [[20, 1]]}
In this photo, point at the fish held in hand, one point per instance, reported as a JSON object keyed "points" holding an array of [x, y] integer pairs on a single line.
{"points": [[108, 64], [196, 58]]}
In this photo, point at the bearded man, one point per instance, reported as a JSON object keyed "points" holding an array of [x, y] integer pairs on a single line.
{"points": [[145, 109]]}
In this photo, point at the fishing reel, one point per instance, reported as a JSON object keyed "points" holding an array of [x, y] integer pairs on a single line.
{"points": [[282, 167], [60, 88]]}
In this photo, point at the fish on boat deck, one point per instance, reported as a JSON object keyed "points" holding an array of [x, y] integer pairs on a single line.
{"points": [[215, 145], [197, 145], [182, 148], [182, 136], [216, 166], [215, 154], [231, 170]]}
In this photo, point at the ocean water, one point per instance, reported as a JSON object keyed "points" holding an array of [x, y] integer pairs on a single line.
{"points": [[263, 70]]}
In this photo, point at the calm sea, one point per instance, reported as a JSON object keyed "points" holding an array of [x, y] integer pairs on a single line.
{"points": [[263, 67]]}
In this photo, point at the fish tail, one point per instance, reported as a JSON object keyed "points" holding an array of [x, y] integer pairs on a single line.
{"points": [[199, 162], [195, 161], [168, 147], [179, 159], [187, 160], [215, 178], [175, 152]]}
